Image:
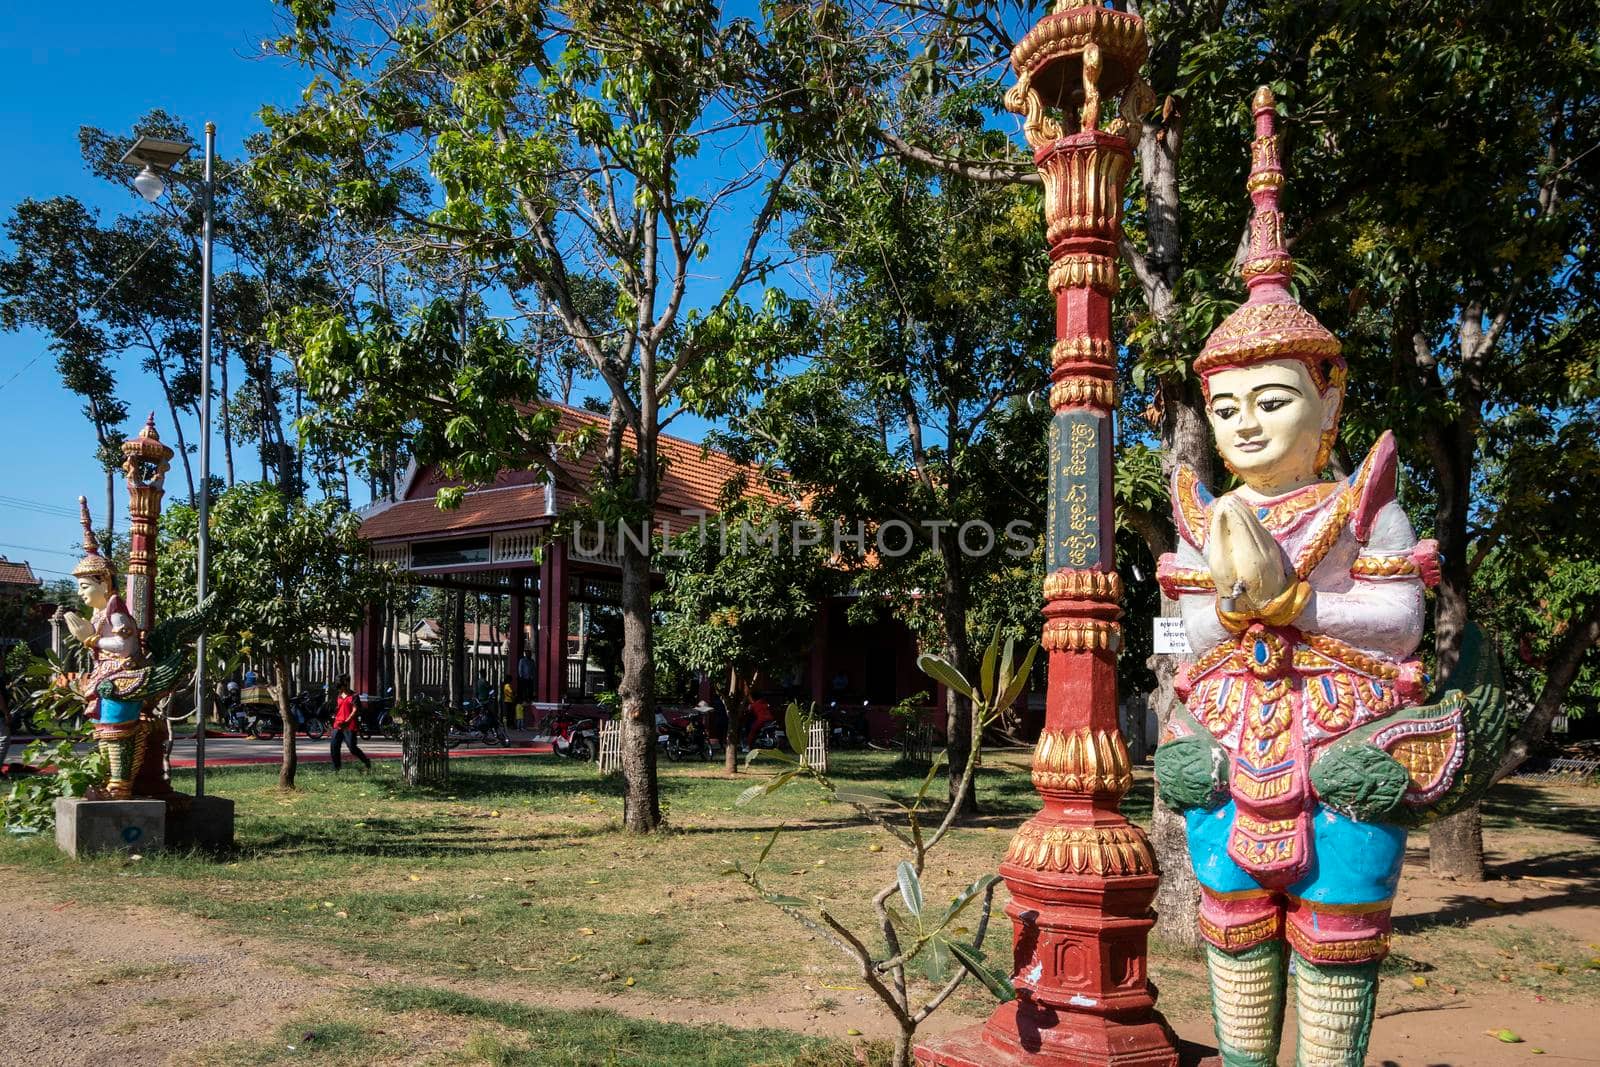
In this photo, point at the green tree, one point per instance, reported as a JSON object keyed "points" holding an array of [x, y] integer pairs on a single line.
{"points": [[924, 350], [737, 612], [564, 141], [282, 569]]}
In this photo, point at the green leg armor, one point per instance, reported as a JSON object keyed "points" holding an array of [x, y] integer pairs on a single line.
{"points": [[1247, 991], [1334, 1004], [121, 760]]}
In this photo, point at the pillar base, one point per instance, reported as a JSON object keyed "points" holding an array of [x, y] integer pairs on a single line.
{"points": [[85, 827], [1027, 1038]]}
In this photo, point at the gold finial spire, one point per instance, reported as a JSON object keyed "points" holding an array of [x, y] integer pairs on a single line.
{"points": [[1268, 268], [90, 545], [92, 563]]}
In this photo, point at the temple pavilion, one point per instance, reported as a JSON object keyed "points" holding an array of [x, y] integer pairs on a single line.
{"points": [[565, 591]]}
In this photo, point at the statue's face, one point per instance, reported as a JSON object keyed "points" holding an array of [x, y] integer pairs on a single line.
{"points": [[93, 590], [1268, 419]]}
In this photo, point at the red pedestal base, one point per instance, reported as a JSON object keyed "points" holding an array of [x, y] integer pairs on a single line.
{"points": [[1020, 1033], [1143, 1043]]}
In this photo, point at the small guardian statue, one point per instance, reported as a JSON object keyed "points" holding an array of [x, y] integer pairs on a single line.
{"points": [[112, 687], [1304, 749]]}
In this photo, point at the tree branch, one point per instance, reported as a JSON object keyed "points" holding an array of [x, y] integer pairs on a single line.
{"points": [[995, 173], [1582, 635]]}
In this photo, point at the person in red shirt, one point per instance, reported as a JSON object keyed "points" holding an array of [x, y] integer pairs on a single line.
{"points": [[760, 715], [344, 728]]}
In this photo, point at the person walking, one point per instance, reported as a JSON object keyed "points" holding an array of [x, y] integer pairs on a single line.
{"points": [[344, 728]]}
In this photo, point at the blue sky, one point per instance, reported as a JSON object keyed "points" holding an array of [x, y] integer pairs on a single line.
{"points": [[92, 62], [106, 64]]}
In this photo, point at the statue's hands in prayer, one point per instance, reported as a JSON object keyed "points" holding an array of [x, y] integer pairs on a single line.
{"points": [[1246, 563], [79, 627]]}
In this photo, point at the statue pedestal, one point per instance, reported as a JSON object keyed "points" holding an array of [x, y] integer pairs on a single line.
{"points": [[200, 822], [1133, 1044], [84, 827]]}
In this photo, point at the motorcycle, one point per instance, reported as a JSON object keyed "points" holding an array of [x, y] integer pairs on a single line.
{"points": [[231, 715], [771, 736], [847, 731], [683, 738], [578, 738], [373, 716], [262, 721], [481, 725], [309, 709]]}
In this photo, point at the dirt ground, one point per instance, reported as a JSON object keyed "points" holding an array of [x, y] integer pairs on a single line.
{"points": [[135, 986]]}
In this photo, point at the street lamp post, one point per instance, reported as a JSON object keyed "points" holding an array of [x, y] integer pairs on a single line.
{"points": [[156, 157]]}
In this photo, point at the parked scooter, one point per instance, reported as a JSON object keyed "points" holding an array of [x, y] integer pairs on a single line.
{"points": [[847, 729], [683, 738], [575, 737], [479, 723], [373, 716], [309, 708]]}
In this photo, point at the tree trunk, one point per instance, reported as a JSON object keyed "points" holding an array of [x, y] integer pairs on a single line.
{"points": [[111, 509], [641, 805], [227, 423], [177, 429], [1455, 843], [1187, 440], [735, 703], [1455, 846], [280, 690], [1177, 902], [958, 709]]}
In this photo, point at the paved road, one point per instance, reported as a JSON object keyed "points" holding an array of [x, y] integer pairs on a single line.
{"points": [[237, 751]]}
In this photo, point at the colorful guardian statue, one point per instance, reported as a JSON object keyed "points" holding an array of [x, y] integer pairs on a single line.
{"points": [[112, 687], [136, 663], [1303, 752]]}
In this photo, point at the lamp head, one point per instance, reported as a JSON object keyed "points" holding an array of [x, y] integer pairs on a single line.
{"points": [[149, 184], [155, 157]]}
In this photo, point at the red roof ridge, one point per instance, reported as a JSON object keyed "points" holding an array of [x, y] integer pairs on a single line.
{"points": [[600, 419]]}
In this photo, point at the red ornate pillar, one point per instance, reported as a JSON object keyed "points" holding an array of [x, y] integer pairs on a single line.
{"points": [[517, 644], [1081, 877], [364, 653], [553, 623], [145, 461]]}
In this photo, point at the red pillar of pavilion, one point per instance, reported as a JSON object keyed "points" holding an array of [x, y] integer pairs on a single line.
{"points": [[1081, 877]]}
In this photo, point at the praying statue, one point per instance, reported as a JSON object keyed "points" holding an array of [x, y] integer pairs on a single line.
{"points": [[132, 671], [1304, 749], [112, 687]]}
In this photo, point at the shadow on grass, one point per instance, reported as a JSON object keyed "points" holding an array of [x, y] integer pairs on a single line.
{"points": [[1513, 805], [593, 1036]]}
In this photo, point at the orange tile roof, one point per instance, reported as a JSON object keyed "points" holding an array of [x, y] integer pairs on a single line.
{"points": [[18, 574], [692, 478]]}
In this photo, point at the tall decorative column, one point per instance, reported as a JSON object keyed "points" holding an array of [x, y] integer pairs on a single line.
{"points": [[1081, 877], [144, 461]]}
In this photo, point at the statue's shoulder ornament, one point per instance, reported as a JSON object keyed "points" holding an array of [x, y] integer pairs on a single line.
{"points": [[1191, 506], [1373, 489], [1191, 514]]}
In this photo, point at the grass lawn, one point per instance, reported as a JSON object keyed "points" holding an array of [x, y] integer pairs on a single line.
{"points": [[517, 884], [402, 1024], [519, 874]]}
